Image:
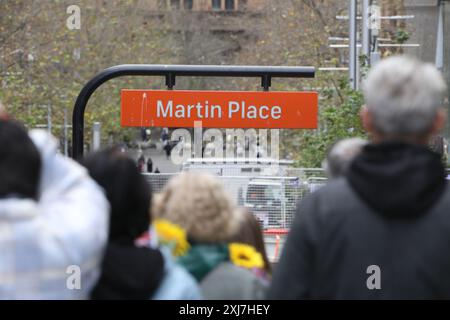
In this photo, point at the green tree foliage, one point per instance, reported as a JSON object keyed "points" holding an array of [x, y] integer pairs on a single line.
{"points": [[44, 63], [337, 121]]}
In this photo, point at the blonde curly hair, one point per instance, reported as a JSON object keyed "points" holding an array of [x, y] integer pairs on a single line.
{"points": [[199, 204]]}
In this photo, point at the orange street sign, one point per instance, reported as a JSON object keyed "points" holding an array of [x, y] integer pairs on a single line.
{"points": [[219, 109]]}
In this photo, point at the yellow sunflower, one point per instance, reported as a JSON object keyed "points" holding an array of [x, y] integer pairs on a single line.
{"points": [[172, 235], [246, 256]]}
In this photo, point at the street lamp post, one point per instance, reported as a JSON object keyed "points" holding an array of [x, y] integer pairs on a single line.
{"points": [[366, 30], [439, 60], [353, 59]]}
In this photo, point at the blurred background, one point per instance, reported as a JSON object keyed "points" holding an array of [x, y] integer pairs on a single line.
{"points": [[44, 64]]}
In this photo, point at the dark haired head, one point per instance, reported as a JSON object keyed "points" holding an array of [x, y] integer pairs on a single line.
{"points": [[20, 162], [127, 191], [250, 233]]}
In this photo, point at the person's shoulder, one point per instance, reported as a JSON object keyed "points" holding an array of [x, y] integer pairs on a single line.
{"points": [[234, 282], [446, 192], [335, 191], [227, 268], [444, 199], [338, 186], [177, 283], [336, 199]]}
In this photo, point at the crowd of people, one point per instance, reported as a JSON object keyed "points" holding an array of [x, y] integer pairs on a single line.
{"points": [[386, 205]]}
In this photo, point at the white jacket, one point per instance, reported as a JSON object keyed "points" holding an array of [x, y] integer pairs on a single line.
{"points": [[44, 245]]}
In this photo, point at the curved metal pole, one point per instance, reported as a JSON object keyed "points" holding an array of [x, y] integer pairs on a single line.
{"points": [[171, 72]]}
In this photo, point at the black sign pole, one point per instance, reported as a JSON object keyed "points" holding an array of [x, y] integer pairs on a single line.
{"points": [[171, 72]]}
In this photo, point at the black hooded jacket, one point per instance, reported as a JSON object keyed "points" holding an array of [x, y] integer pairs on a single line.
{"points": [[392, 212], [398, 180], [129, 272]]}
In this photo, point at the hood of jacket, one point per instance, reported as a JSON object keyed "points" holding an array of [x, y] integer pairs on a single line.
{"points": [[398, 180], [203, 258], [129, 272]]}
